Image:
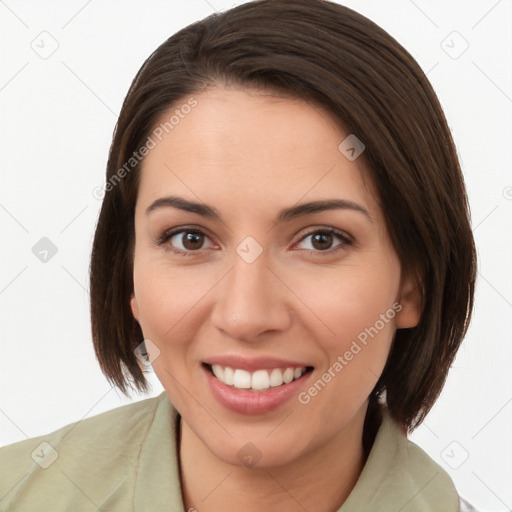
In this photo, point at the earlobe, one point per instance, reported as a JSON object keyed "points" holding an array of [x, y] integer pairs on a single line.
{"points": [[410, 301], [135, 307]]}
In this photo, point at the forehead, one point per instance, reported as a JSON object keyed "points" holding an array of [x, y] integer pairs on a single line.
{"points": [[251, 145]]}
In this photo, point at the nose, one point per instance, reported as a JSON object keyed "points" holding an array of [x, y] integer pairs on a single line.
{"points": [[251, 300]]}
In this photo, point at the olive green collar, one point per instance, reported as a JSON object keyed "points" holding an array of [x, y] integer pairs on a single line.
{"points": [[398, 475]]}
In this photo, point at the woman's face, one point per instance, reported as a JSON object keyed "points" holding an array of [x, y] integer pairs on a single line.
{"points": [[262, 291]]}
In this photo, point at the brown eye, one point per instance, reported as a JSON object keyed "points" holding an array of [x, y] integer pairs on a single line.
{"points": [[192, 240], [322, 240], [183, 241]]}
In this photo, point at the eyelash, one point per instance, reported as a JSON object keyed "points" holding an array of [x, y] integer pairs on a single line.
{"points": [[346, 240]]}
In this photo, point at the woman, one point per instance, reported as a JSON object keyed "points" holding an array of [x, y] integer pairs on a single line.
{"points": [[285, 238]]}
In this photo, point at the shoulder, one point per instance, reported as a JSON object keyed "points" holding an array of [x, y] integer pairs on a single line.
{"points": [[398, 469], [104, 429], [85, 453]]}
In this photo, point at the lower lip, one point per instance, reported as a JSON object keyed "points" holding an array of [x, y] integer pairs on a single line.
{"points": [[253, 402]]}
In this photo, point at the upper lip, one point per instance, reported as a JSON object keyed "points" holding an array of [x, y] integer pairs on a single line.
{"points": [[254, 363]]}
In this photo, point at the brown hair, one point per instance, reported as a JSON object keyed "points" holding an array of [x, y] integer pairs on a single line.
{"points": [[331, 55]]}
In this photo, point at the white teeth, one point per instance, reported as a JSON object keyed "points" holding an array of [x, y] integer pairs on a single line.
{"points": [[288, 375], [228, 376], [276, 377], [218, 371], [242, 379], [258, 380]]}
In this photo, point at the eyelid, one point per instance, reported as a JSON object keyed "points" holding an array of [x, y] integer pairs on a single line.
{"points": [[326, 229], [346, 240], [166, 235], [342, 235]]}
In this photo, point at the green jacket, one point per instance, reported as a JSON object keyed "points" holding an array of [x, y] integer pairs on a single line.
{"points": [[126, 460]]}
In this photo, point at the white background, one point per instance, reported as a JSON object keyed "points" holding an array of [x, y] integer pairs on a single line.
{"points": [[57, 118]]}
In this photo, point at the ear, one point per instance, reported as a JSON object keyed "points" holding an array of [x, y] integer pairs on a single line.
{"points": [[410, 299], [135, 307]]}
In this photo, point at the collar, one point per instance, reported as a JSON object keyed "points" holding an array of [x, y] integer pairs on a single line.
{"points": [[398, 475]]}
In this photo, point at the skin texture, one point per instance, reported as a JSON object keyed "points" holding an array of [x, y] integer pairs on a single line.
{"points": [[249, 154]]}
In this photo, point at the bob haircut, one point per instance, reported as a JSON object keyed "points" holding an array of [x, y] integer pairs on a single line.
{"points": [[330, 56]]}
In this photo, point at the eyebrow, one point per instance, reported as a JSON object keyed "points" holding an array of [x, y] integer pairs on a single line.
{"points": [[284, 215]]}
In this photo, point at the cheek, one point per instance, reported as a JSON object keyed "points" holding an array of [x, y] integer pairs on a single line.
{"points": [[358, 305], [167, 297], [355, 299], [358, 308]]}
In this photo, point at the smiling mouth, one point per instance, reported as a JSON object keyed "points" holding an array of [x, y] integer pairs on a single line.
{"points": [[259, 380]]}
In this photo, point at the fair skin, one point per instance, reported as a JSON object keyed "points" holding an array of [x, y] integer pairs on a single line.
{"points": [[304, 298]]}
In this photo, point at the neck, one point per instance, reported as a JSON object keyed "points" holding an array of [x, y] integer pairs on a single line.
{"points": [[319, 480]]}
